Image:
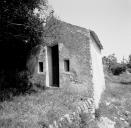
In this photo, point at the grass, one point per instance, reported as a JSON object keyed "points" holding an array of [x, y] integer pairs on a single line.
{"points": [[38, 109], [116, 100]]}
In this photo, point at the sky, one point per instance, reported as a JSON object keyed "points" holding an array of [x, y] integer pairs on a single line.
{"points": [[110, 19]]}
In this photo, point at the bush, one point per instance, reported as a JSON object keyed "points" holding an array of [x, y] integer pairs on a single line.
{"points": [[118, 69], [12, 84], [22, 81]]}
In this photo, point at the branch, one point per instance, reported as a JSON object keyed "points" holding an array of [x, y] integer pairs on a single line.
{"points": [[16, 24], [22, 36], [11, 23]]}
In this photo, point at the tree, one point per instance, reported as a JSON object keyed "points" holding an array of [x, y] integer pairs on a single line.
{"points": [[18, 21], [21, 29], [109, 61], [129, 62], [112, 66]]}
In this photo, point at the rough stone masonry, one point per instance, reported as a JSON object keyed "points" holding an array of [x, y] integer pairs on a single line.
{"points": [[71, 61]]}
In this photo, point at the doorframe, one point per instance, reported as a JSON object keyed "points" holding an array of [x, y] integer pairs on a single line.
{"points": [[47, 67], [49, 72]]}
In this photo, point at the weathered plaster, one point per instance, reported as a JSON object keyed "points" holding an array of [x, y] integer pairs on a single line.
{"points": [[97, 71]]}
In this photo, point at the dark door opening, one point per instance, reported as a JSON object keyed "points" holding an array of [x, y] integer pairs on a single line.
{"points": [[55, 66]]}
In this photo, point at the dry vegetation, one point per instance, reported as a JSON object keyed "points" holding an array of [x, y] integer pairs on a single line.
{"points": [[116, 100], [36, 110]]}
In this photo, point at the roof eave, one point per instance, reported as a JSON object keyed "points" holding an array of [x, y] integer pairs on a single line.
{"points": [[95, 37]]}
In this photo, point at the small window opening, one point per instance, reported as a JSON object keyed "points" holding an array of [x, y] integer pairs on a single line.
{"points": [[40, 67], [67, 65]]}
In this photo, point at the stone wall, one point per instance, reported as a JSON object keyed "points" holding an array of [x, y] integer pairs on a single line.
{"points": [[74, 44], [85, 107], [37, 55]]}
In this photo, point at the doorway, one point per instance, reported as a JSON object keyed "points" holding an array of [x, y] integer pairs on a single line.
{"points": [[53, 65]]}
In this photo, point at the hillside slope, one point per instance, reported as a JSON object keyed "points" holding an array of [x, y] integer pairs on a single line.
{"points": [[116, 100]]}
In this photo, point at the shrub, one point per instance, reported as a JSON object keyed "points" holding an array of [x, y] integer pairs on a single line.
{"points": [[12, 84], [22, 81], [129, 70], [118, 69]]}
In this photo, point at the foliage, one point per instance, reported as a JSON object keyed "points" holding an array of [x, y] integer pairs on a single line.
{"points": [[129, 62], [21, 29], [22, 81], [109, 61], [19, 22], [118, 69], [112, 66]]}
